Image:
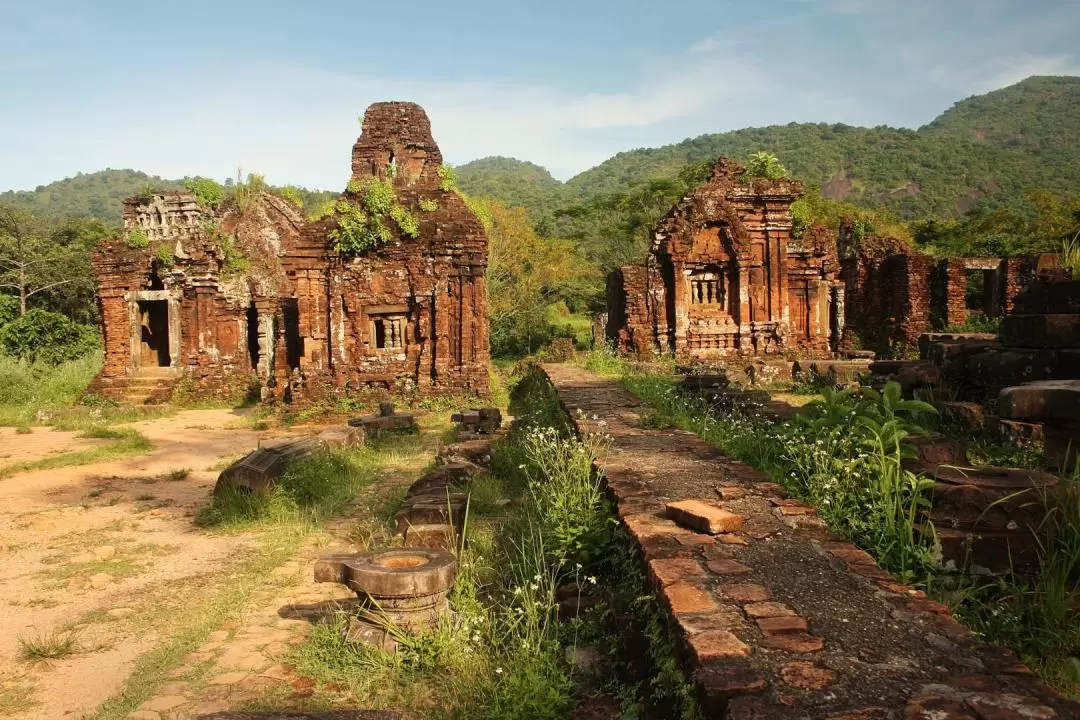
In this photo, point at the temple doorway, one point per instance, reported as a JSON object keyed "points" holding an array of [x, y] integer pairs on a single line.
{"points": [[154, 333]]}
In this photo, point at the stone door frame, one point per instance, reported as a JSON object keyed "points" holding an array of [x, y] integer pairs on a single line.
{"points": [[172, 298]]}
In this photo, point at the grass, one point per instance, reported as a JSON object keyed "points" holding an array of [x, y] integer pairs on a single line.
{"points": [[310, 491], [1070, 255], [126, 442], [117, 567], [48, 646], [16, 696], [506, 656]]}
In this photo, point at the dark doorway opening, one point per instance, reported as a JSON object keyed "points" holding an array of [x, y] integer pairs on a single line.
{"points": [[294, 342], [154, 333], [253, 336]]}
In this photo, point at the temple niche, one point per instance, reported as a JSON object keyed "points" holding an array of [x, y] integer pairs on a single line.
{"points": [[724, 277], [251, 293]]}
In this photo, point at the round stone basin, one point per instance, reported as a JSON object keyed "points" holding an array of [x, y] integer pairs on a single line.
{"points": [[395, 561], [404, 587]]}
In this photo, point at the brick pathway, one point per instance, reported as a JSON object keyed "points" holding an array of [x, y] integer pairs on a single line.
{"points": [[781, 620], [244, 660]]}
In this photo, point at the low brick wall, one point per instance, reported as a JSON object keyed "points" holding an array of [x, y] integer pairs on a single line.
{"points": [[779, 618]]}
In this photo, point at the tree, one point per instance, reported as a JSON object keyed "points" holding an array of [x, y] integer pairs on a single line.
{"points": [[36, 259], [765, 165], [526, 273]]}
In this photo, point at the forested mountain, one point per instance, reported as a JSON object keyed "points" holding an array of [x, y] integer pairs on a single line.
{"points": [[987, 151], [990, 150], [98, 195], [511, 182]]}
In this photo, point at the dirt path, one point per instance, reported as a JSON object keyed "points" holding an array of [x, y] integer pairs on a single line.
{"points": [[100, 543]]}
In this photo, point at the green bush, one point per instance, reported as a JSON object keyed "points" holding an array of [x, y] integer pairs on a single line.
{"points": [[9, 309], [48, 337]]}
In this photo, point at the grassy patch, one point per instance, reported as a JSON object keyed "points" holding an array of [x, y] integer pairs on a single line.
{"points": [[117, 567], [16, 696], [48, 646], [29, 392], [311, 490], [126, 442]]}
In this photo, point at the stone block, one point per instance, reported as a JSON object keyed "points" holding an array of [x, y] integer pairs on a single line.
{"points": [[701, 516], [682, 597], [1041, 297], [968, 416], [1041, 331], [715, 645], [1046, 400], [672, 570], [774, 625]]}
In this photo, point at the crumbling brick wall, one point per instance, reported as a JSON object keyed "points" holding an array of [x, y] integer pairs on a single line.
{"points": [[637, 310]]}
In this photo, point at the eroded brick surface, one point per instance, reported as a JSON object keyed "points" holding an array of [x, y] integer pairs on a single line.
{"points": [[828, 634]]}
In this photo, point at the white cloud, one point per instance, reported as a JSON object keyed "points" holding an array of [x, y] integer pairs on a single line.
{"points": [[901, 64]]}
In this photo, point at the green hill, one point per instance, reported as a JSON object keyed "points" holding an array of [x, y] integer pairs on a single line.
{"points": [[989, 150], [986, 151], [99, 195], [510, 181]]}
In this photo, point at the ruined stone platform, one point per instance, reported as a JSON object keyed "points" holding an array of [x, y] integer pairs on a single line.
{"points": [[779, 619]]}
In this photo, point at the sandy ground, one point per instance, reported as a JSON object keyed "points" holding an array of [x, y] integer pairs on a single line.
{"points": [[102, 541]]}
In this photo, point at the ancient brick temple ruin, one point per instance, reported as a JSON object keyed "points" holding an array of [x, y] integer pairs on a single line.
{"points": [[250, 291], [725, 277]]}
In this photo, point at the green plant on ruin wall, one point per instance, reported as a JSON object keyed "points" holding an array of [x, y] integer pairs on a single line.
{"points": [[137, 239], [208, 193], [363, 225], [233, 262], [427, 205], [448, 178], [292, 195], [765, 165], [164, 255], [247, 193]]}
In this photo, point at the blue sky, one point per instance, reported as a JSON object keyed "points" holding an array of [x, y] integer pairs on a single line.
{"points": [[198, 87]]}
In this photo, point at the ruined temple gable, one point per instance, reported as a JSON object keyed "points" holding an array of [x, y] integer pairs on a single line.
{"points": [[397, 135]]}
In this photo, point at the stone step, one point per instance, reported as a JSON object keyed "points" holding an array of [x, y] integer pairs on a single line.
{"points": [[1005, 367]]}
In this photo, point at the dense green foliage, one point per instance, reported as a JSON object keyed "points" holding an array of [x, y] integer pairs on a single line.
{"points": [[362, 219], [43, 336]]}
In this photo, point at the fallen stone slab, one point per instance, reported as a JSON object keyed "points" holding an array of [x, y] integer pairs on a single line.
{"points": [[477, 452], [704, 517], [1044, 400], [387, 420], [259, 470]]}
